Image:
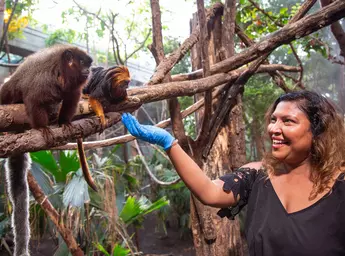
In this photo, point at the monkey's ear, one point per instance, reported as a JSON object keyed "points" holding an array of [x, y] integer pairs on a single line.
{"points": [[68, 57]]}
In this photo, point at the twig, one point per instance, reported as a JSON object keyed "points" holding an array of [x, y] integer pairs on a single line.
{"points": [[4, 34], [152, 176]]}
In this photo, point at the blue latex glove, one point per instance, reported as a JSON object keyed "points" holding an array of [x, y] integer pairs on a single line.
{"points": [[149, 133]]}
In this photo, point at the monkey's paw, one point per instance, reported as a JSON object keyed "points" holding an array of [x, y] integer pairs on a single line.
{"points": [[47, 135], [67, 127], [103, 123]]}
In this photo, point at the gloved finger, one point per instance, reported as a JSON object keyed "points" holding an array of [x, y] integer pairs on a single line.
{"points": [[127, 120], [140, 131], [132, 124]]}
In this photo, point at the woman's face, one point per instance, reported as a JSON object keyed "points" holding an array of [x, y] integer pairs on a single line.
{"points": [[290, 134]]}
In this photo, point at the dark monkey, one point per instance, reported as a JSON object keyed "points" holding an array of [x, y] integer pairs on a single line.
{"points": [[105, 85], [44, 80]]}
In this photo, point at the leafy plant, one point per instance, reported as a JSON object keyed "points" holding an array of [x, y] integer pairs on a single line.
{"points": [[134, 210], [117, 251]]}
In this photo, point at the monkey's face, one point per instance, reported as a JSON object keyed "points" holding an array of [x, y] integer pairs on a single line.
{"points": [[78, 65], [85, 63]]}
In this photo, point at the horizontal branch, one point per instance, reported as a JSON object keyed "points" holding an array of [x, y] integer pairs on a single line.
{"points": [[263, 68], [33, 140], [127, 138], [13, 117]]}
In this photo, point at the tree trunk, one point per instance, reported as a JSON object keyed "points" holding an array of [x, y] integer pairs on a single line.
{"points": [[213, 235]]}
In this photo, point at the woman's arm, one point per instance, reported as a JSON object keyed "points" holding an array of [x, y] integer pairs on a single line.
{"points": [[207, 191]]}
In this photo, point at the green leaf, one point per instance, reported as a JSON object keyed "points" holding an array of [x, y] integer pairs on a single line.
{"points": [[134, 210], [283, 11], [46, 159], [101, 249], [120, 251], [69, 161], [76, 192]]}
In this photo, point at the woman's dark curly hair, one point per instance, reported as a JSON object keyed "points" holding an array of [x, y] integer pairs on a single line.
{"points": [[328, 147]]}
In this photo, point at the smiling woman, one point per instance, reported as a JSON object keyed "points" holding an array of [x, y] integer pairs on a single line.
{"points": [[295, 196]]}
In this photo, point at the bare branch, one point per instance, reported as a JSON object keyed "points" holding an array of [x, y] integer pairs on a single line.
{"points": [[4, 34], [147, 167]]}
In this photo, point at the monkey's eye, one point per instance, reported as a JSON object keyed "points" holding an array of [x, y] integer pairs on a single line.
{"points": [[81, 62]]}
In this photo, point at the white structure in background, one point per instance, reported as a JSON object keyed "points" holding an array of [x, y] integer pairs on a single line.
{"points": [[34, 39]]}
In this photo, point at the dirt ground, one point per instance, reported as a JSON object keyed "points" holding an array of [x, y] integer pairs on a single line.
{"points": [[152, 242], [155, 242]]}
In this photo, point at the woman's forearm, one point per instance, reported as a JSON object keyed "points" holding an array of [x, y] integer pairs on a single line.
{"points": [[197, 181]]}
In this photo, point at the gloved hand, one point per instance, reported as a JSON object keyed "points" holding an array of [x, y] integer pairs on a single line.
{"points": [[149, 133]]}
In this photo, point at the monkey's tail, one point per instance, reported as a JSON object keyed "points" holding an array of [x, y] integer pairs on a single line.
{"points": [[17, 167], [84, 165]]}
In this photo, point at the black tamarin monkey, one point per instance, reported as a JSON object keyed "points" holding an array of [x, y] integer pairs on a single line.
{"points": [[105, 85], [44, 80]]}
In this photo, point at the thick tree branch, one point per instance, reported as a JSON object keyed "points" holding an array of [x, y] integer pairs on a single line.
{"points": [[337, 31], [268, 68], [13, 117], [33, 140], [276, 76], [285, 35], [204, 40]]}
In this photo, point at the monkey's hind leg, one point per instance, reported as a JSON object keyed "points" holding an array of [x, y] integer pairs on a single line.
{"points": [[84, 165], [16, 176], [98, 108]]}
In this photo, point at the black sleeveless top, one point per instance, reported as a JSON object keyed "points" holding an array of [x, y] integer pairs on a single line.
{"points": [[318, 230]]}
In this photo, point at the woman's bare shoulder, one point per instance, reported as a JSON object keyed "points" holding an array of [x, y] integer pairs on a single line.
{"points": [[254, 165]]}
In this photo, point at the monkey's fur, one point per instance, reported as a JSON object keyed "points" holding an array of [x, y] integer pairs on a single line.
{"points": [[107, 85], [104, 85], [44, 80]]}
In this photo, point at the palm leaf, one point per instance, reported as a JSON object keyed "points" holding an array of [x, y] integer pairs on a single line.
{"points": [[134, 210], [76, 192]]}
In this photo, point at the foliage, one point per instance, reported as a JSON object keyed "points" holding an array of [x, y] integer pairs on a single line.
{"points": [[22, 16], [128, 30], [177, 194], [134, 210], [183, 66], [61, 35], [117, 251]]}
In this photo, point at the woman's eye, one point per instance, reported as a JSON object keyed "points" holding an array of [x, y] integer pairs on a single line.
{"points": [[288, 121], [273, 120]]}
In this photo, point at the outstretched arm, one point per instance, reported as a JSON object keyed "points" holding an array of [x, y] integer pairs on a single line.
{"points": [[207, 191]]}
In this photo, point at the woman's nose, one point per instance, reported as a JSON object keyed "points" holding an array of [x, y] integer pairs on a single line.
{"points": [[275, 128]]}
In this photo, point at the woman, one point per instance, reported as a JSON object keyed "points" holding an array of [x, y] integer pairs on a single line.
{"points": [[296, 195]]}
